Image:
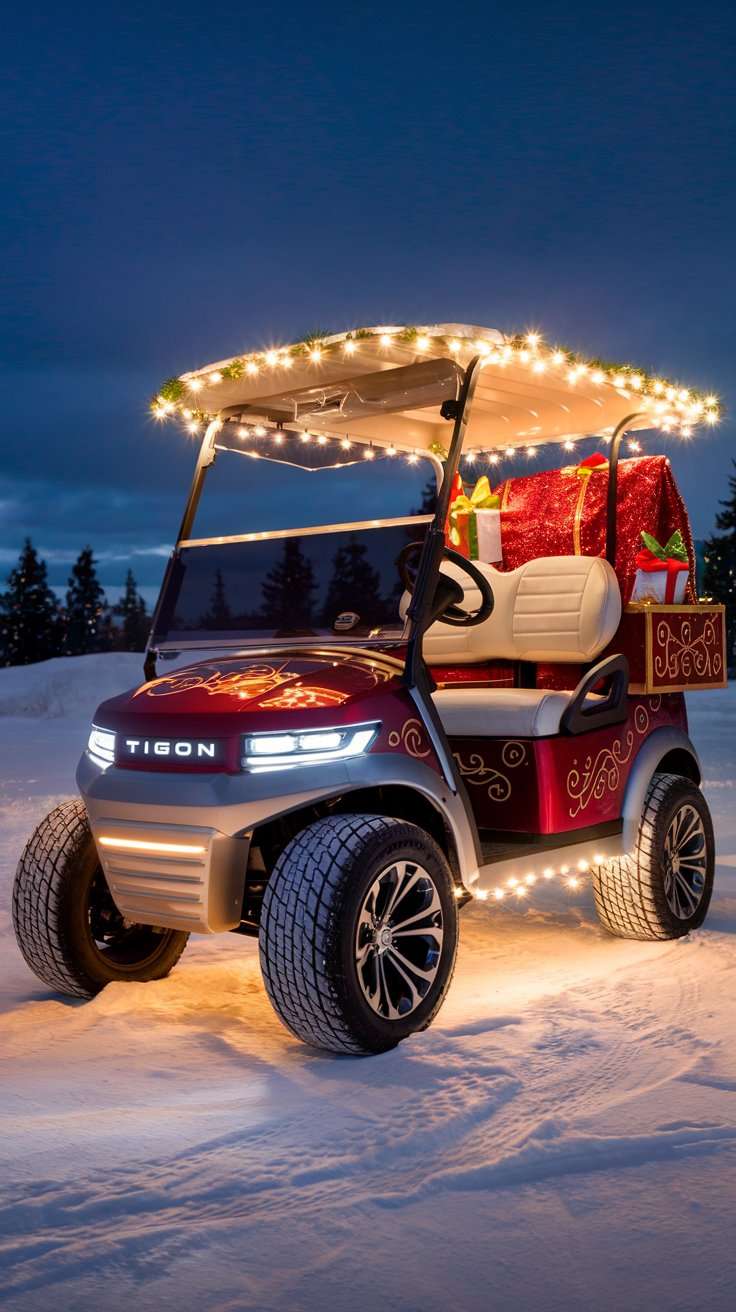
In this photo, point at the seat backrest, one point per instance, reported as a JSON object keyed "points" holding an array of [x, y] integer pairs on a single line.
{"points": [[555, 608]]}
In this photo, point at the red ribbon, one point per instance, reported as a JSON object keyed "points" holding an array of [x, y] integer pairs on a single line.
{"points": [[647, 561]]}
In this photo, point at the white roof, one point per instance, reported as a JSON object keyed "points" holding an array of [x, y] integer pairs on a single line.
{"points": [[386, 384]]}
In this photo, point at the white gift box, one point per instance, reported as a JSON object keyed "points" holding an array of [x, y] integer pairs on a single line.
{"points": [[488, 528], [651, 585]]}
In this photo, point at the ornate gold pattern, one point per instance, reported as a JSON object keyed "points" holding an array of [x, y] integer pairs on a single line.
{"points": [[513, 754], [479, 774], [253, 682], [411, 739], [602, 774], [684, 654], [297, 698]]}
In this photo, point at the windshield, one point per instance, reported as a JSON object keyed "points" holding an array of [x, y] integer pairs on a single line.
{"points": [[284, 551]]}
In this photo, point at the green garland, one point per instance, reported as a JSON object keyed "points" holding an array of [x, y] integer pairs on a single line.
{"points": [[174, 393]]}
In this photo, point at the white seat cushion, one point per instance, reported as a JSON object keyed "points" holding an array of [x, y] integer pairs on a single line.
{"points": [[500, 712], [555, 608]]}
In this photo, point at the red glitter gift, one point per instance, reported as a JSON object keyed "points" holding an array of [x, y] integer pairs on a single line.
{"points": [[562, 512]]}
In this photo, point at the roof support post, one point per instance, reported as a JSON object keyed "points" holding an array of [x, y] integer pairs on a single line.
{"points": [[612, 498], [431, 557], [205, 458]]}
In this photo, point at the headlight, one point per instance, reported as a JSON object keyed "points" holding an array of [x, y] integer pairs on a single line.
{"points": [[101, 746], [278, 751]]}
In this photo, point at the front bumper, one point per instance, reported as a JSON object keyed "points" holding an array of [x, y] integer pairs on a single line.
{"points": [[181, 877], [203, 891]]}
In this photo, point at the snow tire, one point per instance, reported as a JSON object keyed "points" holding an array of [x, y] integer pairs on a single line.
{"points": [[308, 930], [631, 892], [52, 896]]}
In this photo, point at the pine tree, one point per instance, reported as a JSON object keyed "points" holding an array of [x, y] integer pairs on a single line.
{"points": [[30, 628], [85, 606], [219, 614], [355, 585], [287, 594], [132, 610], [719, 575], [429, 498]]}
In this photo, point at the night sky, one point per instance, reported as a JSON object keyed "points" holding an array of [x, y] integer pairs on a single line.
{"points": [[184, 182]]}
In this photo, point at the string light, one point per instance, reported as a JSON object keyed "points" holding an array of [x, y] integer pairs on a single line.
{"points": [[674, 408], [519, 887]]}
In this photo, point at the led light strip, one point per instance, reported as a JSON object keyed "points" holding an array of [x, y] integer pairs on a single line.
{"points": [[147, 845], [518, 887]]}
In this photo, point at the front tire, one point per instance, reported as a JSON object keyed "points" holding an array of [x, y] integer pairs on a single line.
{"points": [[663, 889], [358, 933], [67, 926]]}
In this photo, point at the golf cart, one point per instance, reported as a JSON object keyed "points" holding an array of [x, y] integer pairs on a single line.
{"points": [[380, 716]]}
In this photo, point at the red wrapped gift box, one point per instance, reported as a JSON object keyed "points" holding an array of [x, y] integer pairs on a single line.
{"points": [[562, 512]]}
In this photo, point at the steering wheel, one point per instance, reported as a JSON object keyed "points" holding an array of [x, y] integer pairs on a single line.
{"points": [[408, 562]]}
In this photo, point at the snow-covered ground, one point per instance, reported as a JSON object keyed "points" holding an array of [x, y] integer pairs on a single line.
{"points": [[564, 1137]]}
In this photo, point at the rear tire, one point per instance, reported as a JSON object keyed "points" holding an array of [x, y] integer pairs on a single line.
{"points": [[663, 889], [358, 933], [67, 926]]}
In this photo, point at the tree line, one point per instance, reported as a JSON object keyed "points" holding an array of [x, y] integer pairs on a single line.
{"points": [[35, 625], [719, 575]]}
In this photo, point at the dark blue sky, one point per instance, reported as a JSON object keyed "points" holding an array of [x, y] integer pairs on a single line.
{"points": [[182, 182]]}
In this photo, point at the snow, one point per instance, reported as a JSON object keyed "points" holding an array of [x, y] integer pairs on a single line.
{"points": [[563, 1137]]}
